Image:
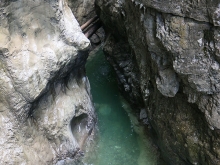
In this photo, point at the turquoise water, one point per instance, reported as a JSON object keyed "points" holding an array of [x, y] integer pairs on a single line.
{"points": [[118, 143]]}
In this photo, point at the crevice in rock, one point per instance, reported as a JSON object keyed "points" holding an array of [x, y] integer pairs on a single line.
{"points": [[76, 70]]}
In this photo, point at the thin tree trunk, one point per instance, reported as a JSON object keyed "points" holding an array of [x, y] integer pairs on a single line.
{"points": [[92, 29], [85, 25]]}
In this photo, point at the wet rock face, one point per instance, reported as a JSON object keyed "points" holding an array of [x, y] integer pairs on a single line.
{"points": [[166, 56], [43, 84], [82, 10]]}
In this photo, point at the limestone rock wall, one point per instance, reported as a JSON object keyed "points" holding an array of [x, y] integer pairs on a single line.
{"points": [[43, 87], [166, 56], [82, 10]]}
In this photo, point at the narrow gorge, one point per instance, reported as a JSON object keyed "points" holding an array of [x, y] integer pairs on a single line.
{"points": [[155, 102]]}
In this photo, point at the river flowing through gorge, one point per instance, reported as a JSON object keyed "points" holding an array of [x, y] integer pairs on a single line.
{"points": [[154, 96], [118, 142]]}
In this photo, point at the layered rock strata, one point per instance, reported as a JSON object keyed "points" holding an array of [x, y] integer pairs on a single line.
{"points": [[46, 114], [166, 56]]}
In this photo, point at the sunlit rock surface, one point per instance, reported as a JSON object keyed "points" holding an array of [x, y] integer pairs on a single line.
{"points": [[166, 56], [43, 87]]}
